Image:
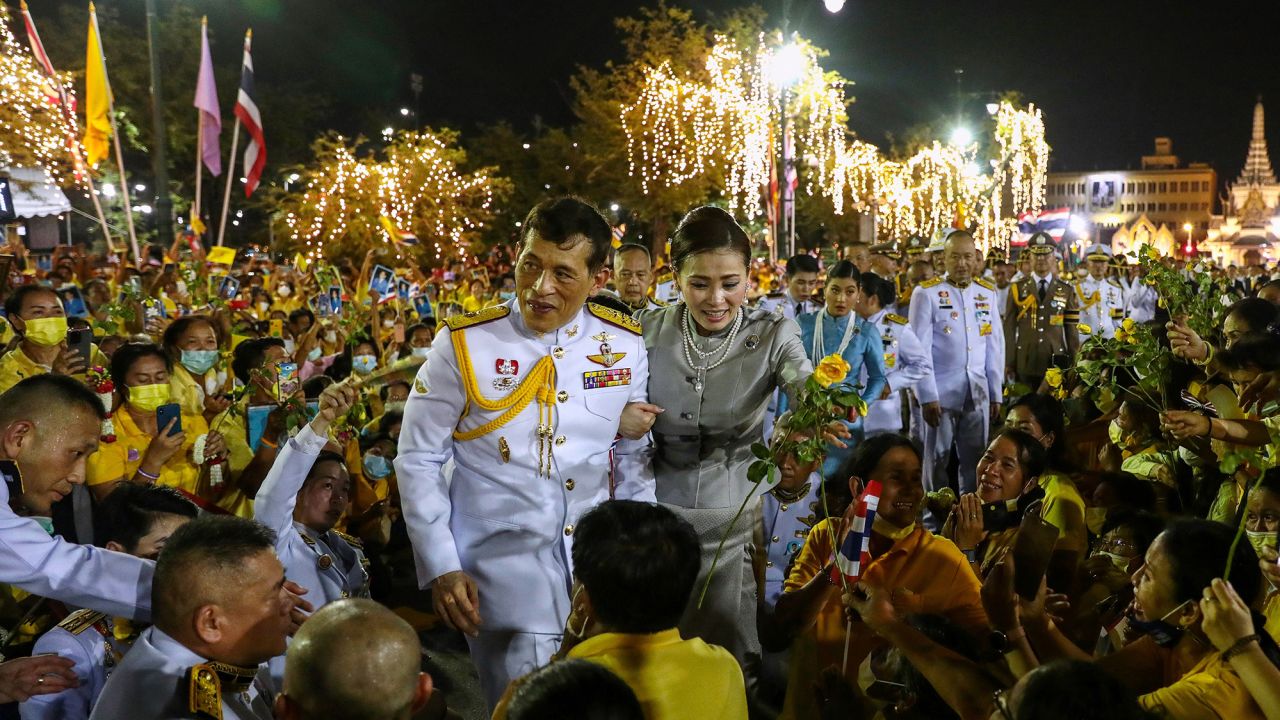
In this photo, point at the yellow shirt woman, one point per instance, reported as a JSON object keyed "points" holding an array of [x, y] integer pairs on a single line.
{"points": [[119, 461]]}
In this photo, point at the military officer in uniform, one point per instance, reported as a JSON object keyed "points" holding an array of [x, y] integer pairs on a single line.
{"points": [[633, 277], [304, 494], [1040, 317], [802, 282], [905, 361], [525, 398], [886, 261], [1140, 299], [222, 610], [957, 321], [1101, 297]]}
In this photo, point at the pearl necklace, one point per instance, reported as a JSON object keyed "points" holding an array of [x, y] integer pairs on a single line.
{"points": [[686, 331]]}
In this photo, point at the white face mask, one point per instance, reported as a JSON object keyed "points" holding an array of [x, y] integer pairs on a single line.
{"points": [[284, 291], [289, 346], [421, 352], [331, 336]]}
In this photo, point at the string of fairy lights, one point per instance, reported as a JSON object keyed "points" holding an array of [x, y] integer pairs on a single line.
{"points": [[727, 120], [34, 131], [417, 185]]}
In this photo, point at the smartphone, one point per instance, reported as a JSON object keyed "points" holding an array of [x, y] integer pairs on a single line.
{"points": [[166, 413], [398, 333], [170, 267], [1032, 550], [276, 328], [81, 340], [286, 381]]}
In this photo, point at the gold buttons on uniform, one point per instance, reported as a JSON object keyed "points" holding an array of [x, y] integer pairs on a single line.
{"points": [[562, 396], [558, 352], [782, 507], [569, 484], [773, 539], [768, 563], [560, 440], [568, 530]]}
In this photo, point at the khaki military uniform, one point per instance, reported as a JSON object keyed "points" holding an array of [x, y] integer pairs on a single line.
{"points": [[1035, 331]]}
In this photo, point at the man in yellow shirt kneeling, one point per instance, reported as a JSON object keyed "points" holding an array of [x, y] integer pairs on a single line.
{"points": [[635, 565]]}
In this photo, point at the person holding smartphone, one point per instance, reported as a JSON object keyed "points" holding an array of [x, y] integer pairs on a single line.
{"points": [[145, 451], [37, 316]]}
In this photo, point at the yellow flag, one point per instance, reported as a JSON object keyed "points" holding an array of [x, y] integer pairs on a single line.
{"points": [[221, 255], [97, 98]]}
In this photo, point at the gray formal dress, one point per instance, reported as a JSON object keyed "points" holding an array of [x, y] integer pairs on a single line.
{"points": [[703, 448]]}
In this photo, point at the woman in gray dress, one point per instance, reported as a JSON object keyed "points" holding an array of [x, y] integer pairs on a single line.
{"points": [[713, 365]]}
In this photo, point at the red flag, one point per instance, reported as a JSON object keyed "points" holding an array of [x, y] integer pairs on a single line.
{"points": [[255, 154]]}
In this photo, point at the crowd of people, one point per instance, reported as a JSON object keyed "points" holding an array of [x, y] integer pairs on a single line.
{"points": [[218, 465]]}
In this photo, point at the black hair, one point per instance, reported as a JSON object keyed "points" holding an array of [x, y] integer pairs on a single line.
{"points": [[173, 334], [1197, 548], [1260, 350], [947, 634], [638, 562], [250, 355], [1257, 313], [1131, 491], [45, 392], [564, 221], [708, 229], [313, 387], [13, 303], [1074, 689], [1273, 284], [1051, 417], [576, 689], [126, 355], [864, 458], [872, 284], [633, 247], [328, 456], [385, 390], [1031, 455], [302, 313], [1143, 525], [126, 515], [802, 263], [843, 270], [210, 543]]}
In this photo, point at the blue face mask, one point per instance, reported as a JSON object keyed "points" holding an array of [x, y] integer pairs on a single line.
{"points": [[1164, 633], [506, 295], [199, 361], [376, 466], [314, 354], [45, 523], [364, 364]]}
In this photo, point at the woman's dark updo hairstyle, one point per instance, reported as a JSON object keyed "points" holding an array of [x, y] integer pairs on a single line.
{"points": [[708, 229], [843, 270], [1253, 350], [1255, 312]]}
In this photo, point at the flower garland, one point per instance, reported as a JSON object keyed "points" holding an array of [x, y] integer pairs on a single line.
{"points": [[99, 380]]}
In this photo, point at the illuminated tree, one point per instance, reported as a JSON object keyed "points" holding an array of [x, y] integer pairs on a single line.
{"points": [[417, 181], [34, 131]]}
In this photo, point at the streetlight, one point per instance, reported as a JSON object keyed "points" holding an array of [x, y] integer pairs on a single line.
{"points": [[993, 108], [613, 207], [833, 6], [961, 136], [787, 65], [785, 68], [404, 112]]}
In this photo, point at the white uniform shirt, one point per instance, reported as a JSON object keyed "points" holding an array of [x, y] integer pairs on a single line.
{"points": [[961, 331], [1140, 301], [787, 306], [503, 518], [83, 637], [905, 364], [1101, 306]]}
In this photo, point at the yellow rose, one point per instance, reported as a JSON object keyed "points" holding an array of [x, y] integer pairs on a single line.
{"points": [[1128, 325], [832, 369], [1084, 329], [1121, 335], [1053, 376]]}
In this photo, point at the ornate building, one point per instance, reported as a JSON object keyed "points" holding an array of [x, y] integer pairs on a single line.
{"points": [[1249, 230]]}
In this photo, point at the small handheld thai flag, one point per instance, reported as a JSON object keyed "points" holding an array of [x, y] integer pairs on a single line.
{"points": [[855, 552]]}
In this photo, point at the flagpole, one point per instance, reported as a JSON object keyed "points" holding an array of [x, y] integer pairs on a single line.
{"points": [[124, 189], [195, 205], [231, 174]]}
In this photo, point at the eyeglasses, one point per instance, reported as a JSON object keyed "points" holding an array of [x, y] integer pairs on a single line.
{"points": [[1001, 704], [1119, 546]]}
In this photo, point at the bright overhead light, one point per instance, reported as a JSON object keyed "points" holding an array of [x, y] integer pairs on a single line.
{"points": [[140, 187], [404, 112], [787, 65], [294, 177], [961, 136], [993, 108], [388, 131], [525, 146], [833, 6], [614, 207], [109, 190]]}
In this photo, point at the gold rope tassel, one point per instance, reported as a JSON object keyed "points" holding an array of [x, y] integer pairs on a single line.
{"points": [[540, 384], [1025, 305]]}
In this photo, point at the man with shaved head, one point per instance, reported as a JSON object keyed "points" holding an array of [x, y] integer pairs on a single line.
{"points": [[354, 660], [221, 610]]}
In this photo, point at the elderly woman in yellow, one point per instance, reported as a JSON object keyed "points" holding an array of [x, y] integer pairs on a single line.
{"points": [[196, 384], [144, 452], [925, 572], [35, 312], [1007, 478]]}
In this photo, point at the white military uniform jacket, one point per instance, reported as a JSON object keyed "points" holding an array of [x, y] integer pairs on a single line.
{"points": [[331, 565], [151, 684], [524, 473], [87, 638], [1101, 306], [961, 331], [905, 365], [78, 575], [787, 306], [1140, 300]]}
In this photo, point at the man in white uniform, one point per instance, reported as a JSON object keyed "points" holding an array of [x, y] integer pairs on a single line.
{"points": [[905, 362], [957, 321], [526, 398], [1101, 297]]}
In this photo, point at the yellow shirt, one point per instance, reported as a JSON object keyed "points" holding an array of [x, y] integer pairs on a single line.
{"points": [[931, 568], [673, 678], [187, 390], [1064, 509], [15, 367], [1210, 690], [233, 425], [119, 461], [1271, 611]]}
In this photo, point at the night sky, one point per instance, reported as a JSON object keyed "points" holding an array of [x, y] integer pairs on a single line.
{"points": [[1109, 76]]}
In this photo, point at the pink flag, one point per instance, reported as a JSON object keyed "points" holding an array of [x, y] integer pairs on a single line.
{"points": [[206, 101]]}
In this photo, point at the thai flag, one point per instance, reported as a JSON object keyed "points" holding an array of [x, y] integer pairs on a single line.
{"points": [[1052, 221], [855, 553], [255, 153]]}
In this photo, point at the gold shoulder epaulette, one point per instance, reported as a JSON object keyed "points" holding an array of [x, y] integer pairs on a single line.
{"points": [[81, 620], [204, 692], [613, 317], [894, 318], [985, 283], [352, 540], [659, 303], [930, 282], [665, 277], [458, 322]]}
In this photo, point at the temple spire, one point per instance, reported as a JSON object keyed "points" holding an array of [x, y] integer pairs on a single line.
{"points": [[1257, 165]]}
